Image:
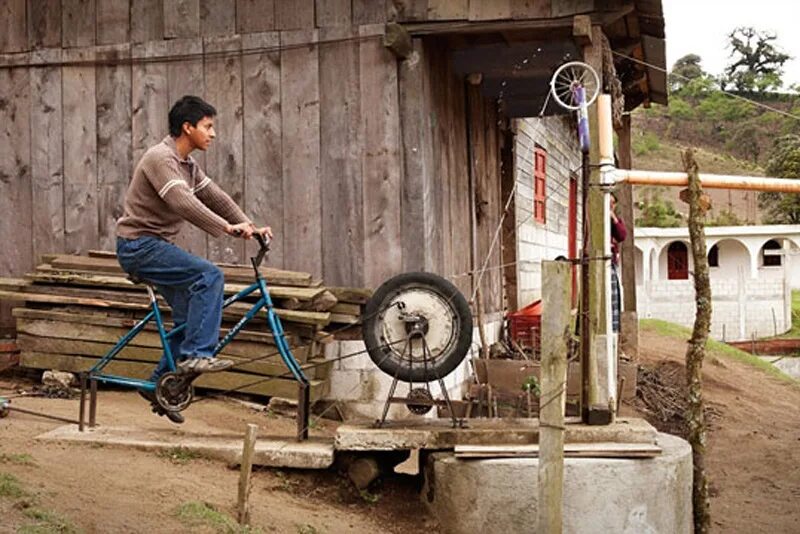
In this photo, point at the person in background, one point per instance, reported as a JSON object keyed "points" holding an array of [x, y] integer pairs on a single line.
{"points": [[618, 234]]}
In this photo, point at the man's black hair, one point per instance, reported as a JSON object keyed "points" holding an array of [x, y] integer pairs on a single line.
{"points": [[188, 109]]}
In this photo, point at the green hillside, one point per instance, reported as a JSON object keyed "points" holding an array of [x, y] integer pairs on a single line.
{"points": [[730, 136]]}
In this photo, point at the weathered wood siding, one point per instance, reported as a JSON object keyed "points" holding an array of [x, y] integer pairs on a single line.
{"points": [[360, 162]]}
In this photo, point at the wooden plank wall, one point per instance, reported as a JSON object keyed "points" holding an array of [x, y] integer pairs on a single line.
{"points": [[358, 161]]}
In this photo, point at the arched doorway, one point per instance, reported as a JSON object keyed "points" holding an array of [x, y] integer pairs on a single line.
{"points": [[677, 261]]}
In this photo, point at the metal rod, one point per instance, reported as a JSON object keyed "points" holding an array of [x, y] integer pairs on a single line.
{"points": [[708, 181], [303, 406], [92, 402], [82, 406]]}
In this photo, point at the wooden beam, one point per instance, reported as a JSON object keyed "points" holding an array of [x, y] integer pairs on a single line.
{"points": [[398, 40], [582, 30]]}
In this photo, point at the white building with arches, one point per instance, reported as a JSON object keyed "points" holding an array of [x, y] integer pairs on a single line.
{"points": [[752, 269]]}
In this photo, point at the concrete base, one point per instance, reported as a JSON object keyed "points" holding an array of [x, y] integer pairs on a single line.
{"points": [[789, 365], [600, 495], [439, 434], [311, 454]]}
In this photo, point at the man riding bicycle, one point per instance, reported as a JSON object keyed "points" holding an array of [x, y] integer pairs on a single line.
{"points": [[168, 188]]}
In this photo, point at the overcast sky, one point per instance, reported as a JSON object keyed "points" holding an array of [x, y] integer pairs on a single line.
{"points": [[701, 26]]}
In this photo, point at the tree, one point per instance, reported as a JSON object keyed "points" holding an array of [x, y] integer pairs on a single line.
{"points": [[685, 70], [784, 162], [656, 212], [757, 63]]}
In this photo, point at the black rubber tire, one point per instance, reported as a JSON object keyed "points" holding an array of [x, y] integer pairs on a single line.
{"points": [[444, 363]]}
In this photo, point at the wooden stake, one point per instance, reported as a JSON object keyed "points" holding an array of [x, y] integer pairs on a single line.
{"points": [[242, 506], [695, 352], [556, 287]]}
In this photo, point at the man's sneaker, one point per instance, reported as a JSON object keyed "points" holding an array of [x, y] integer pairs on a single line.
{"points": [[204, 365], [175, 417]]}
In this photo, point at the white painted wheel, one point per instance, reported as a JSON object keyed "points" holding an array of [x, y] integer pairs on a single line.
{"points": [[568, 77]]}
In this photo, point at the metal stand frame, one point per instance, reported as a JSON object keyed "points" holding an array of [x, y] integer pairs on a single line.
{"points": [[417, 327]]}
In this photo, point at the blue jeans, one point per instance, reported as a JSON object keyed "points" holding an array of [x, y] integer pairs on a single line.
{"points": [[192, 286]]}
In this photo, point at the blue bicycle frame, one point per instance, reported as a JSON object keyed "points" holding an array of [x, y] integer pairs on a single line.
{"points": [[265, 302]]}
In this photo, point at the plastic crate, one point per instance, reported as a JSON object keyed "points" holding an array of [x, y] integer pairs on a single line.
{"points": [[525, 326]]}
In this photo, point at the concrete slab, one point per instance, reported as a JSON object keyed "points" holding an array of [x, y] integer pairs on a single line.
{"points": [[629, 496], [269, 452], [434, 434]]}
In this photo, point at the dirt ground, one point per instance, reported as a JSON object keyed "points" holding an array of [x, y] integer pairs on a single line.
{"points": [[753, 452], [753, 461], [107, 489]]}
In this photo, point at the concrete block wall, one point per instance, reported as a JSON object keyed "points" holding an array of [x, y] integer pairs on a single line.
{"points": [[362, 389], [742, 308], [537, 241]]}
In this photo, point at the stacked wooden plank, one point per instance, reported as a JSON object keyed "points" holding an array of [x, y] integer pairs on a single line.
{"points": [[77, 307]]}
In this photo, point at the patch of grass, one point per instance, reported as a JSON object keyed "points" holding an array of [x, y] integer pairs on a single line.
{"points": [[665, 328], [47, 522], [795, 331], [11, 487], [646, 143], [197, 514], [180, 455], [369, 498], [18, 459], [306, 529]]}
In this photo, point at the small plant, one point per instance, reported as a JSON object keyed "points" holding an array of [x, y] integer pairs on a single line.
{"points": [[369, 498], [47, 522], [18, 459], [180, 455], [306, 529], [200, 514], [10, 486], [531, 385]]}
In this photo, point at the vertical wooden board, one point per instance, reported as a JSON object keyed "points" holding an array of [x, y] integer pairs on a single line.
{"points": [[439, 235], [333, 13], [263, 180], [494, 207], [185, 77], [80, 153], [458, 181], [255, 16], [113, 21], [479, 203], [417, 160], [149, 101], [448, 9], [223, 80], [341, 141], [489, 9], [44, 23], [77, 23], [530, 9], [181, 18], [369, 12], [300, 141], [114, 160], [147, 20], [15, 171], [407, 10], [381, 162], [13, 26], [217, 17], [294, 14], [47, 162]]}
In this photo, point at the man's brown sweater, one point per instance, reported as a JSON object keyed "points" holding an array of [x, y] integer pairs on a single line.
{"points": [[166, 190]]}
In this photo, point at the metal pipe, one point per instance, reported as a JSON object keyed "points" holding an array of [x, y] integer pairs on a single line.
{"points": [[44, 415], [709, 181]]}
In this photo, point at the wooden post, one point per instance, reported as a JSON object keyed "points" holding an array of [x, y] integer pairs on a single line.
{"points": [[696, 349], [629, 322], [597, 401], [242, 506], [556, 287]]}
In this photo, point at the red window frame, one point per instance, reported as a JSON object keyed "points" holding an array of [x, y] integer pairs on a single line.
{"points": [[539, 184]]}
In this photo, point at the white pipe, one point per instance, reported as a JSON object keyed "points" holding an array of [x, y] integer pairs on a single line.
{"points": [[709, 181]]}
